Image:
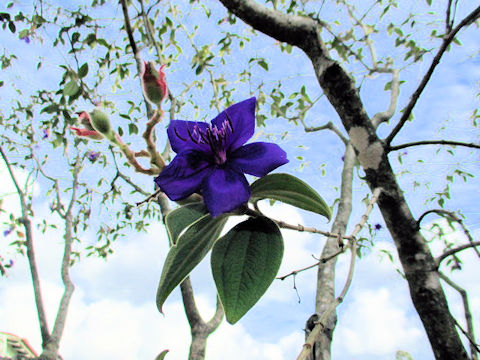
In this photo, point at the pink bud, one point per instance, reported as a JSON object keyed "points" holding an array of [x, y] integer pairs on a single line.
{"points": [[154, 83], [92, 134], [88, 130]]}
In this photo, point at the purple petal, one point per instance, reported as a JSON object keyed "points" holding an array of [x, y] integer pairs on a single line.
{"points": [[242, 117], [183, 137], [257, 158], [225, 190], [184, 175]]}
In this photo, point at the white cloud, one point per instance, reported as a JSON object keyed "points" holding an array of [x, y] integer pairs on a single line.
{"points": [[373, 324]]}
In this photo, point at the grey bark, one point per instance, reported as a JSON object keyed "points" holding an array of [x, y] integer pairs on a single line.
{"points": [[199, 329], [339, 87], [326, 272]]}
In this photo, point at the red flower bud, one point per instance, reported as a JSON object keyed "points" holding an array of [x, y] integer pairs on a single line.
{"points": [[88, 131], [154, 84], [92, 134]]}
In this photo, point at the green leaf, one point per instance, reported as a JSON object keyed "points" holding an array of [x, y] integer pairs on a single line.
{"points": [[71, 88], [12, 27], [179, 219], [50, 109], [189, 250], [263, 64], [244, 263], [162, 355], [83, 71], [290, 190]]}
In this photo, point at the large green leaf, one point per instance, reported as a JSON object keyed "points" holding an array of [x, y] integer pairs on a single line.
{"points": [[244, 263], [179, 219], [291, 190], [190, 249]]}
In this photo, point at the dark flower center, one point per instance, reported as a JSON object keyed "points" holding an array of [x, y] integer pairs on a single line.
{"points": [[212, 136]]}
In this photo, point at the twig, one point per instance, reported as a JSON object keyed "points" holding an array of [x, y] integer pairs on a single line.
{"points": [[321, 261], [149, 198], [132, 160], [453, 216], [133, 45], [301, 228], [394, 91], [328, 126], [155, 158], [468, 315], [433, 142], [320, 324], [124, 177], [447, 40], [450, 252]]}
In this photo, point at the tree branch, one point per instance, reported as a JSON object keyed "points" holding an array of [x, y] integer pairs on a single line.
{"points": [[447, 40], [394, 92], [468, 315], [133, 45], [453, 216], [328, 126], [433, 142], [61, 317], [25, 220], [321, 323], [450, 252]]}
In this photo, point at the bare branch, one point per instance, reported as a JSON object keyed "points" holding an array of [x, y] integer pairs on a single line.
{"points": [[450, 252], [216, 319], [191, 310], [45, 332], [468, 315], [321, 261], [394, 92], [453, 216], [321, 323], [447, 40], [328, 126], [434, 142], [156, 159], [66, 261], [133, 45]]}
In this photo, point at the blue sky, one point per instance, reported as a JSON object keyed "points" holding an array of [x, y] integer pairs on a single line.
{"points": [[377, 317]]}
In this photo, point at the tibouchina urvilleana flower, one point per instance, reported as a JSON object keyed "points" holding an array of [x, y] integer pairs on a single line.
{"points": [[212, 159]]}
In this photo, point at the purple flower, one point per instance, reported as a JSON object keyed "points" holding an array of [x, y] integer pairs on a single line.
{"points": [[7, 232], [45, 134], [378, 226], [212, 159], [93, 156], [26, 39]]}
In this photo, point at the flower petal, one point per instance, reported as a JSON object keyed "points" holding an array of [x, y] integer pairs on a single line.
{"points": [[225, 190], [257, 158], [184, 175], [242, 117], [183, 137]]}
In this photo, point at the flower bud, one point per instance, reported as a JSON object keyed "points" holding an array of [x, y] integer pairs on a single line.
{"points": [[88, 131], [100, 122], [154, 84]]}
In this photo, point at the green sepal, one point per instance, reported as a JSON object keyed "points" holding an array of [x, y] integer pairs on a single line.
{"points": [[101, 122], [244, 263], [290, 190], [190, 249]]}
